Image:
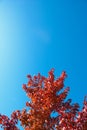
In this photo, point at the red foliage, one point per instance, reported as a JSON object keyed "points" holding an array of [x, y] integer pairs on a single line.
{"points": [[46, 97]]}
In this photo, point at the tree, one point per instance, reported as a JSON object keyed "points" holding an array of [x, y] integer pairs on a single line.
{"points": [[47, 95]]}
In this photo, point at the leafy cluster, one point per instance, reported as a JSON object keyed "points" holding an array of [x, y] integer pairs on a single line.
{"points": [[45, 97]]}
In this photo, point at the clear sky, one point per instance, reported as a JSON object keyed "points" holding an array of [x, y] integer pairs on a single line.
{"points": [[35, 36]]}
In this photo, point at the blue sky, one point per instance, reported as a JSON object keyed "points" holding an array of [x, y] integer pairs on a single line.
{"points": [[35, 36]]}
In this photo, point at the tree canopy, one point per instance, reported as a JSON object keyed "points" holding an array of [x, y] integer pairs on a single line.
{"points": [[47, 95]]}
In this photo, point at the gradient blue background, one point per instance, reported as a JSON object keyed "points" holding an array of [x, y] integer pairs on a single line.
{"points": [[35, 36]]}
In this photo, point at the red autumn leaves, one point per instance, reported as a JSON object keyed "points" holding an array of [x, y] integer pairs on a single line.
{"points": [[45, 96]]}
